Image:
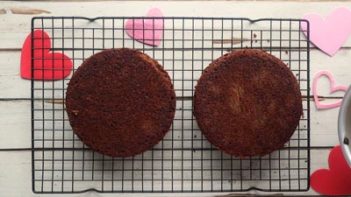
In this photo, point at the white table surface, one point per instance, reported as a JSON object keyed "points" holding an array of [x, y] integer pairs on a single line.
{"points": [[15, 130]]}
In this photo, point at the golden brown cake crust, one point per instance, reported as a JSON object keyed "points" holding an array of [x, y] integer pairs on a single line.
{"points": [[120, 102], [247, 103]]}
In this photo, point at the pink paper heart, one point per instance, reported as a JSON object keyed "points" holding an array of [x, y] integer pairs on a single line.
{"points": [[147, 31], [331, 33], [333, 88]]}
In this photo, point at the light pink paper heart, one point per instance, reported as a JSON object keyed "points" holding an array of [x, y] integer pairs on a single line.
{"points": [[147, 31], [331, 33], [333, 88]]}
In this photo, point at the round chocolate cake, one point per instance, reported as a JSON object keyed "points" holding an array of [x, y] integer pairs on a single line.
{"points": [[120, 102], [247, 103]]}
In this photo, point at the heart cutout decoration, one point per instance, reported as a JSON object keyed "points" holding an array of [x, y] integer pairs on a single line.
{"points": [[147, 31], [47, 65], [333, 88], [331, 33], [337, 179]]}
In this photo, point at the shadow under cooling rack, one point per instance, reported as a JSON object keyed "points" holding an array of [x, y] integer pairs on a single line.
{"points": [[184, 161]]}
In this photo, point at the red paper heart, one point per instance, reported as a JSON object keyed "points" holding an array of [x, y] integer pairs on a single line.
{"points": [[337, 179], [47, 65]]}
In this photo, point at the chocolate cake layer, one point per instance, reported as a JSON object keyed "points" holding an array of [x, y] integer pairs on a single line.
{"points": [[120, 102], [247, 103]]}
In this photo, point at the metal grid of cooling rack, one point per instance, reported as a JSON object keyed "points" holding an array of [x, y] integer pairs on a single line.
{"points": [[184, 161]]}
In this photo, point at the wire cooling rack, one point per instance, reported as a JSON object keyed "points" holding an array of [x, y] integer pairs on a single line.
{"points": [[184, 161]]}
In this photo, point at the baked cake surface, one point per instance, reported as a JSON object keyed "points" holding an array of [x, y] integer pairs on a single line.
{"points": [[120, 102], [247, 103]]}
